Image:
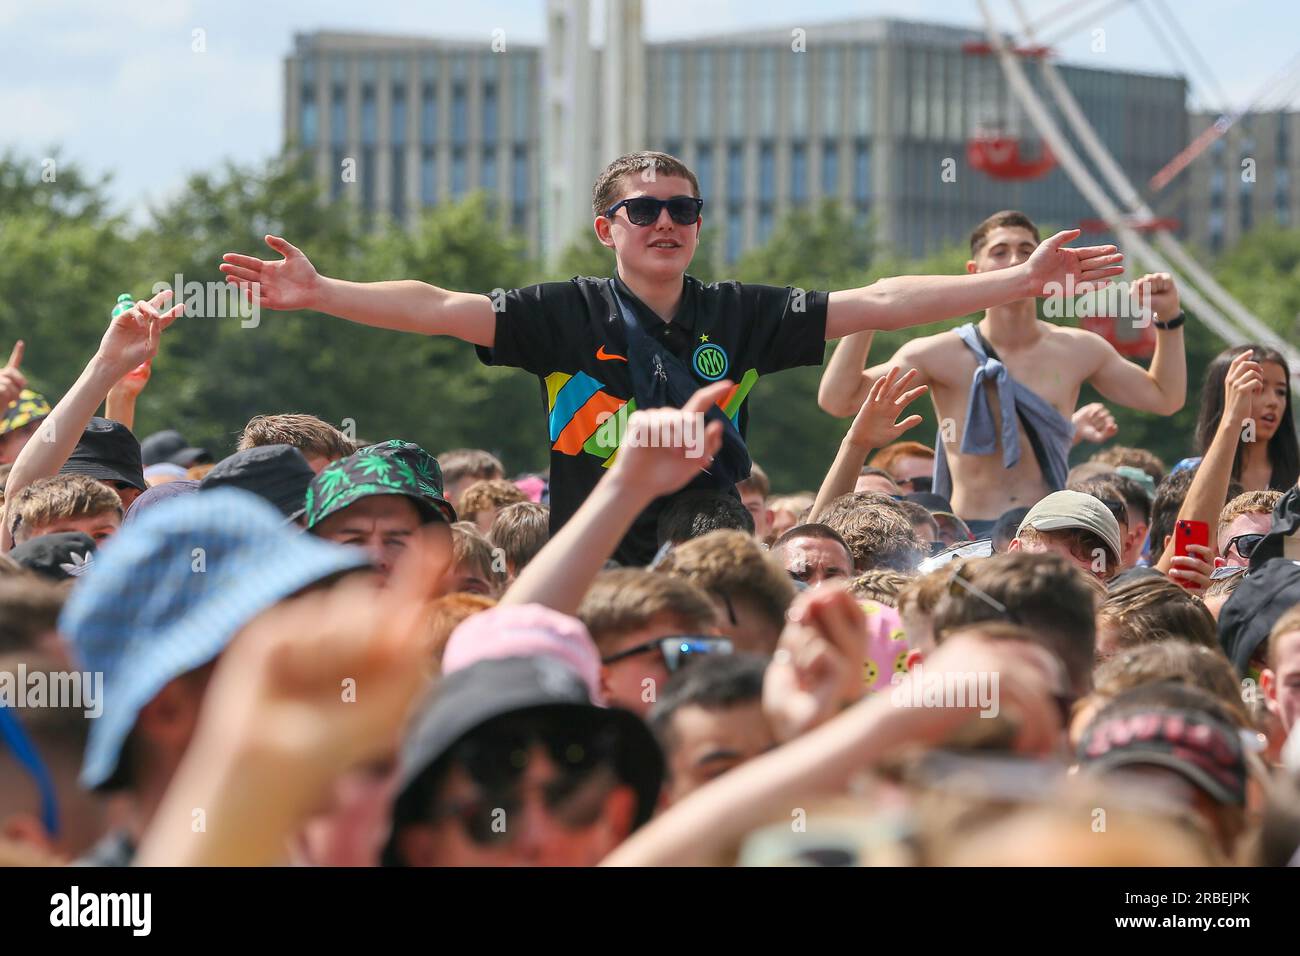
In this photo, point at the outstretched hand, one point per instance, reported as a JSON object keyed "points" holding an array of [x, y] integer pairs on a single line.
{"points": [[288, 283], [876, 424], [1085, 268]]}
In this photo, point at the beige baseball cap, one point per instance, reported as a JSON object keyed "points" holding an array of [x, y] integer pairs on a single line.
{"points": [[1063, 510]]}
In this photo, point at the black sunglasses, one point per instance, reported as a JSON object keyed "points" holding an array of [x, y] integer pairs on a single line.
{"points": [[644, 210], [1244, 543], [677, 651]]}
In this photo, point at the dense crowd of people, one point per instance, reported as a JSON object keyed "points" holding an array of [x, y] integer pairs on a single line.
{"points": [[322, 650]]}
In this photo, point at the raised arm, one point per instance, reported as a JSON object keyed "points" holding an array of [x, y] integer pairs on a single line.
{"points": [[710, 823], [120, 404], [132, 338], [1209, 487], [403, 305], [647, 467], [845, 384], [1162, 389], [903, 301], [875, 426]]}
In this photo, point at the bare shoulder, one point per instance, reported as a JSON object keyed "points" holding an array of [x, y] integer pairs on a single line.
{"points": [[939, 357], [1074, 338], [941, 345]]}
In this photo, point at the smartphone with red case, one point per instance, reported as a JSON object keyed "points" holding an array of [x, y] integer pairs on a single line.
{"points": [[1190, 532]]}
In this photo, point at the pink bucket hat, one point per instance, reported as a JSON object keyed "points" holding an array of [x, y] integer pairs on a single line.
{"points": [[525, 630]]}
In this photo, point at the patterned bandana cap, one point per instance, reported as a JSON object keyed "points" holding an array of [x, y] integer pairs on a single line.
{"points": [[29, 407], [389, 468]]}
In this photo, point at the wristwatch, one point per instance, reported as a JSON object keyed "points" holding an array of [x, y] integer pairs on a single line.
{"points": [[1173, 323]]}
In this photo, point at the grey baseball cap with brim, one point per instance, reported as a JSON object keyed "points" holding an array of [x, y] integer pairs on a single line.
{"points": [[1066, 510]]}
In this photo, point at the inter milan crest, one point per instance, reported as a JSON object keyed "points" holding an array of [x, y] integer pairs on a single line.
{"points": [[710, 362]]}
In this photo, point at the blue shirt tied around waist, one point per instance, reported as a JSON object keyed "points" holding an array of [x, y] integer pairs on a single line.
{"points": [[1050, 433]]}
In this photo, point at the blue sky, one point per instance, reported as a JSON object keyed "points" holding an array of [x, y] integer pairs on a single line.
{"points": [[119, 89]]}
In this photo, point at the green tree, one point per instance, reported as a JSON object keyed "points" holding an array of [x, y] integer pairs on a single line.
{"points": [[61, 264], [1262, 271]]}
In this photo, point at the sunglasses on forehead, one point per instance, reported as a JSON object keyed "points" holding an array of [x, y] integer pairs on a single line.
{"points": [[644, 210]]}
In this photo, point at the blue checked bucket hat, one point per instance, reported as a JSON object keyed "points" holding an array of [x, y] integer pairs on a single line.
{"points": [[169, 591]]}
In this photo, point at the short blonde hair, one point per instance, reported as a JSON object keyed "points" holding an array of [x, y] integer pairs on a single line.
{"points": [[520, 530], [731, 564], [628, 599], [309, 434], [58, 498], [1248, 503]]}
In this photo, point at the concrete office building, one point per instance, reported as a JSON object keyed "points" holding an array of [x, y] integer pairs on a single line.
{"points": [[865, 112], [423, 121], [1249, 177]]}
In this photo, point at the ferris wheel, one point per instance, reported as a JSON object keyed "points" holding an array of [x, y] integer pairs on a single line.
{"points": [[1120, 206]]}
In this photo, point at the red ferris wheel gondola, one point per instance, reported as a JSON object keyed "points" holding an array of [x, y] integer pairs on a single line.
{"points": [[1001, 157], [994, 150]]}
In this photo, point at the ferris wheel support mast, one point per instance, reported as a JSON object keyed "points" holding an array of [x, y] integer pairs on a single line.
{"points": [[1091, 190], [1132, 199]]}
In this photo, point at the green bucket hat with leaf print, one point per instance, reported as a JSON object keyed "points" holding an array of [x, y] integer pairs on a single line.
{"points": [[389, 468]]}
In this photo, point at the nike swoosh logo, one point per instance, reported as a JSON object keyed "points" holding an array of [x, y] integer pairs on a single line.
{"points": [[602, 355]]}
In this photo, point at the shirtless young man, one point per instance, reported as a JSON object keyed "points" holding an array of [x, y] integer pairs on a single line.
{"points": [[1049, 360]]}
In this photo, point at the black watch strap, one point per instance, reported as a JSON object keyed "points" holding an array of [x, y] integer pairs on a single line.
{"points": [[1173, 323]]}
